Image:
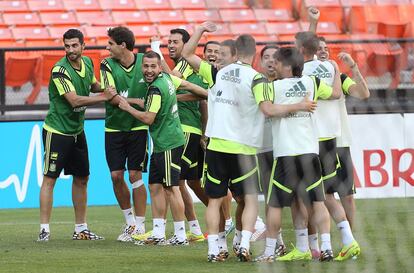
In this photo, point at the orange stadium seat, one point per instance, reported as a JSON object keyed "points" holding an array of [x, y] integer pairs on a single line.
{"points": [[166, 16], [118, 5], [58, 31], [14, 6], [6, 34], [143, 33], [237, 15], [396, 30], [153, 4], [40, 5], [164, 30], [353, 3], [248, 28], [273, 15], [22, 19], [323, 27], [85, 5], [95, 18], [364, 19], [43, 42], [37, 33], [130, 17], [96, 31], [188, 4], [406, 15], [58, 18], [283, 28], [49, 59], [226, 4], [392, 2], [277, 4], [222, 29], [198, 16]]}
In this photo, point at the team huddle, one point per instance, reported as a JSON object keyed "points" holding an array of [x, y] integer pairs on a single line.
{"points": [[218, 126]]}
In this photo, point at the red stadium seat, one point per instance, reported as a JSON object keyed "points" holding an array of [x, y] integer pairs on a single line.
{"points": [[118, 5], [283, 28], [237, 15], [226, 4], [96, 31], [6, 34], [84, 5], [143, 30], [14, 6], [166, 16], [198, 16], [30, 32], [248, 28], [153, 4], [277, 4], [43, 42], [397, 30], [130, 17], [50, 5], [188, 4], [95, 18], [330, 11], [273, 15], [323, 27], [11, 43], [58, 18], [22, 19]]}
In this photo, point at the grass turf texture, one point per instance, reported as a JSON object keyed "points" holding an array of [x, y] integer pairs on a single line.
{"points": [[383, 229]]}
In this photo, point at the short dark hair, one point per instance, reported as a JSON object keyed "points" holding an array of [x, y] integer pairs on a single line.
{"points": [[122, 35], [151, 54], [322, 39], [290, 56], [245, 45], [210, 43], [266, 48], [183, 32], [231, 44], [74, 33], [308, 40]]}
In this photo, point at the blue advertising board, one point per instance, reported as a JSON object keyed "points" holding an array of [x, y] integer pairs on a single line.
{"points": [[21, 167]]}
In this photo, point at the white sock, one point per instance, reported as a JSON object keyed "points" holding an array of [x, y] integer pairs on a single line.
{"points": [[179, 230], [129, 216], [245, 239], [313, 242], [44, 227], [325, 241], [302, 243], [194, 227], [222, 242], [140, 222], [279, 238], [158, 228], [259, 224], [80, 227], [213, 247], [346, 232], [270, 246], [237, 237]]}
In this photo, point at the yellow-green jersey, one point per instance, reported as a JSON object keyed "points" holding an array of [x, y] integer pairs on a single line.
{"points": [[62, 118]]}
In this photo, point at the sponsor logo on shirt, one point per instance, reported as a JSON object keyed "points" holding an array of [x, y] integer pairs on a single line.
{"points": [[123, 93], [219, 99], [232, 76], [322, 72], [298, 90]]}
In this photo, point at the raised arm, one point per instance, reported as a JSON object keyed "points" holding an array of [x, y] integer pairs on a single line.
{"points": [[313, 17], [336, 86], [359, 87]]}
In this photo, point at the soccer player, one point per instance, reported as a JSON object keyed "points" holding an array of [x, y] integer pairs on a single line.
{"points": [[71, 81], [125, 136], [161, 114], [296, 169]]}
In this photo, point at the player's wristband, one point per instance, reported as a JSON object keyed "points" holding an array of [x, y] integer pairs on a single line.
{"points": [[113, 97], [155, 46]]}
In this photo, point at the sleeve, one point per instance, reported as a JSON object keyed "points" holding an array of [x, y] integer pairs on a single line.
{"points": [[346, 83], [184, 68], [62, 80], [106, 75], [208, 72], [153, 104], [322, 90], [261, 89], [176, 81]]}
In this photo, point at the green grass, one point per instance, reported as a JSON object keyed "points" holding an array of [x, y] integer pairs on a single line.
{"points": [[383, 229]]}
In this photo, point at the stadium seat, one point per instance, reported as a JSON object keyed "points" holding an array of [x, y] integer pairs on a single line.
{"points": [[248, 28], [118, 5], [277, 4], [330, 11], [396, 30], [354, 3], [43, 42], [6, 34], [364, 19], [57, 32], [14, 6], [58, 18], [11, 43], [29, 67], [49, 59], [166, 16], [164, 30], [273, 15], [323, 27], [283, 28], [84, 5], [144, 30], [96, 31], [22, 19], [30, 32], [222, 29], [95, 18], [406, 15], [130, 17], [50, 5], [199, 16], [153, 4], [392, 2], [237, 15], [188, 4], [226, 4]]}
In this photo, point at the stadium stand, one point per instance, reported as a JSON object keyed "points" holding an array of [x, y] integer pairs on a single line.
{"points": [[125, 5]]}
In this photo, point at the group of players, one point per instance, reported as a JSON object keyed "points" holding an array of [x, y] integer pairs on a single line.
{"points": [[241, 131]]}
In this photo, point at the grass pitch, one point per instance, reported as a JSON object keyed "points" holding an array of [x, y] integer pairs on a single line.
{"points": [[384, 229]]}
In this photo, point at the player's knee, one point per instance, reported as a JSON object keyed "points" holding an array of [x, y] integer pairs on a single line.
{"points": [[117, 177]]}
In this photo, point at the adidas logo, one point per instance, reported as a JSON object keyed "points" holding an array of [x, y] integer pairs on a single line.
{"points": [[124, 93], [232, 76], [298, 90], [219, 93], [141, 81], [322, 72]]}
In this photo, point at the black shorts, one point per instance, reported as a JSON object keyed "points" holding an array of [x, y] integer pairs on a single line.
{"points": [[65, 152], [130, 147], [329, 161], [296, 176], [165, 167], [265, 161], [190, 160], [344, 183], [239, 173]]}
